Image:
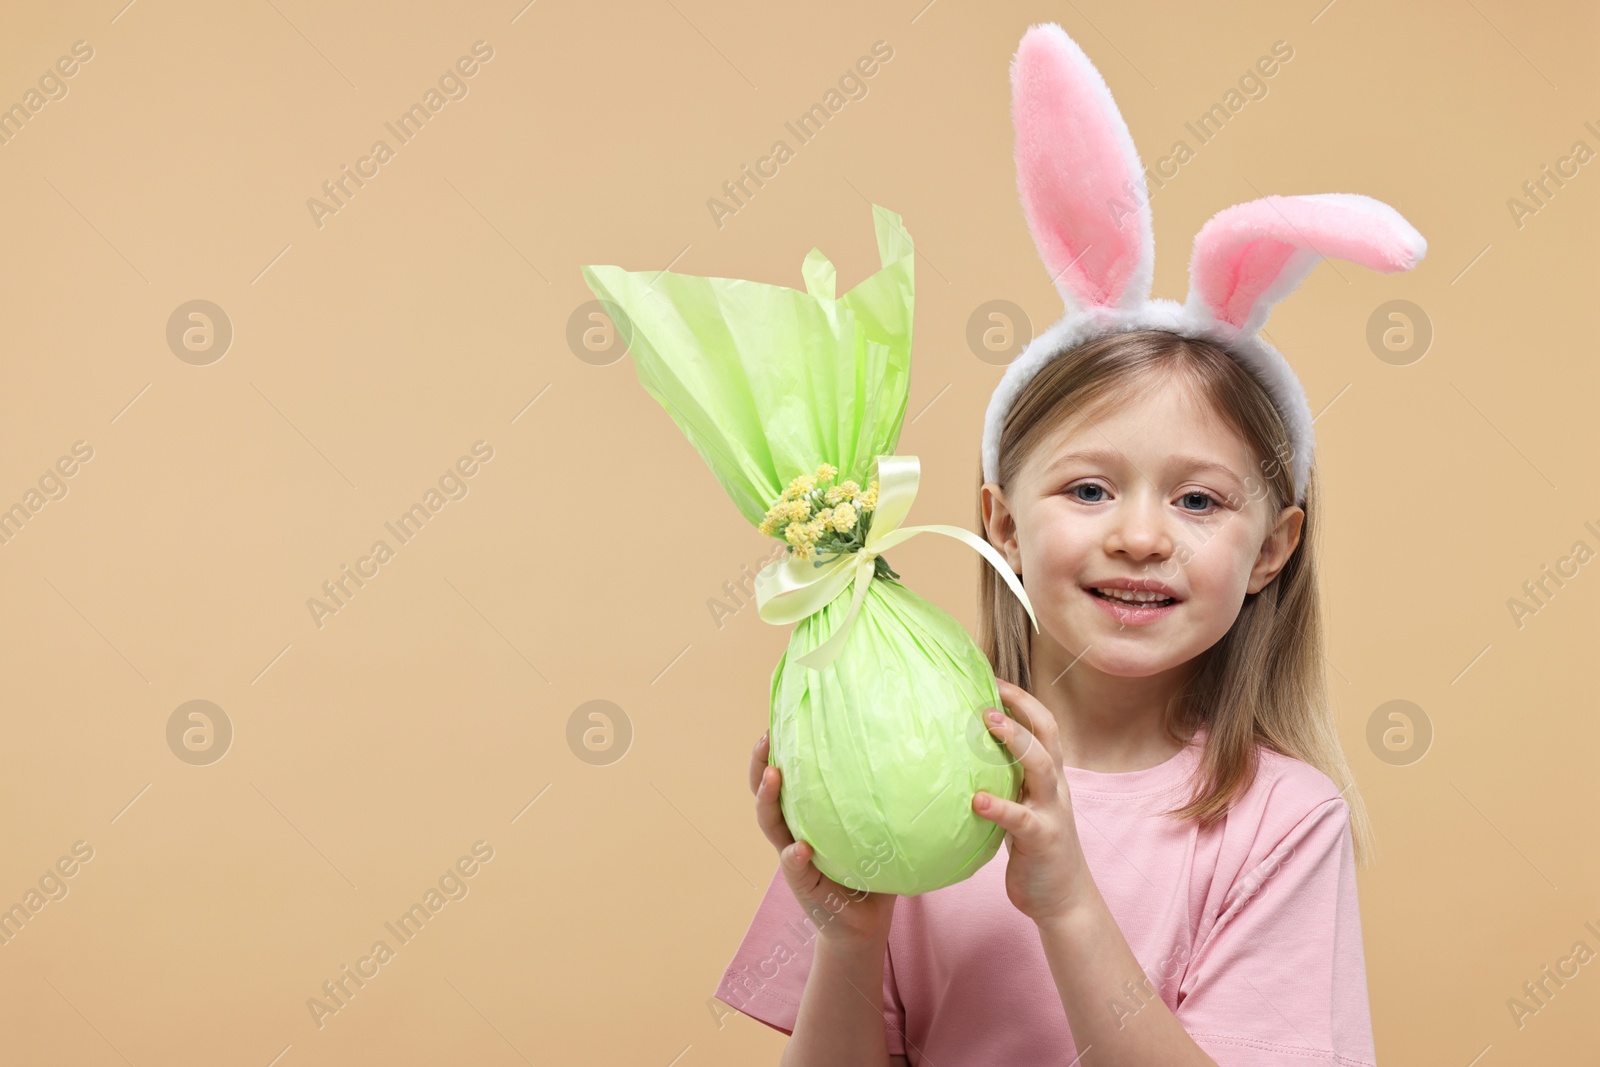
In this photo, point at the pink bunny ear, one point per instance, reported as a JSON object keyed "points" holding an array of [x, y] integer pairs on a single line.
{"points": [[1079, 175], [1252, 255]]}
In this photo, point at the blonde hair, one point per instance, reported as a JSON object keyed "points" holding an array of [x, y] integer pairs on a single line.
{"points": [[1263, 683]]}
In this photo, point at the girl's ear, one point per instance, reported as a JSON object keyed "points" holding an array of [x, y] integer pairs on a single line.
{"points": [[1082, 185], [1280, 543], [1000, 525]]}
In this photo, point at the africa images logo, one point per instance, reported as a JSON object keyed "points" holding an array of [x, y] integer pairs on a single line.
{"points": [[452, 85]]}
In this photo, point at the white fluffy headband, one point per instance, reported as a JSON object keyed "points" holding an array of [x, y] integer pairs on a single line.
{"points": [[1083, 192]]}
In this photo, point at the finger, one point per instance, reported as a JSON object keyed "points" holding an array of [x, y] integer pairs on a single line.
{"points": [[796, 857], [1015, 818], [758, 761], [805, 881], [809, 883], [768, 812], [1026, 707], [1039, 769], [1033, 714]]}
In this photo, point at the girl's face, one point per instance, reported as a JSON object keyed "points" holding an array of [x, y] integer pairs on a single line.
{"points": [[1160, 491]]}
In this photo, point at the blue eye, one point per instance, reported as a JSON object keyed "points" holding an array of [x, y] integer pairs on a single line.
{"points": [[1203, 496], [1087, 485]]}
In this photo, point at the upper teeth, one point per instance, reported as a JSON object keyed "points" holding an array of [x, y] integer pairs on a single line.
{"points": [[1131, 594]]}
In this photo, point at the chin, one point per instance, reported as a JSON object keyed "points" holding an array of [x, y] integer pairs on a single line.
{"points": [[1126, 661], [1131, 665]]}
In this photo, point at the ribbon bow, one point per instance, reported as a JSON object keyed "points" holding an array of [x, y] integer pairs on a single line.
{"points": [[789, 589]]}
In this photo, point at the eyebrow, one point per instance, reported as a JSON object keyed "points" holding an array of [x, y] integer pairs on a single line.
{"points": [[1186, 464]]}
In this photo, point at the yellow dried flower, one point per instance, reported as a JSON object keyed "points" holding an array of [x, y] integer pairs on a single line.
{"points": [[803, 536], [792, 514], [843, 491], [800, 534], [786, 510]]}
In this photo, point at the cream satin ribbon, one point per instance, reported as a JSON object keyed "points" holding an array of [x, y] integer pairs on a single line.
{"points": [[789, 589]]}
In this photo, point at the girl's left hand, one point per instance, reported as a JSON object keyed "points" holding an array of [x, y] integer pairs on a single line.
{"points": [[1046, 876]]}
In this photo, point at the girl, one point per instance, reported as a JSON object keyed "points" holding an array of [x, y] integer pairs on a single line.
{"points": [[1178, 886]]}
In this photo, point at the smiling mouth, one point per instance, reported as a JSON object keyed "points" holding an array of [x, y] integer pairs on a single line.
{"points": [[1132, 599]]}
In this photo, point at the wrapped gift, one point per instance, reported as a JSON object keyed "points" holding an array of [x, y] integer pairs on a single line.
{"points": [[795, 401]]}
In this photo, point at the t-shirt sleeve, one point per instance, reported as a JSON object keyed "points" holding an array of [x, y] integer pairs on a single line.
{"points": [[767, 974], [1280, 977]]}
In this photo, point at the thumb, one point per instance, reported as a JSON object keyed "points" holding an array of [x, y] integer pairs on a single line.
{"points": [[795, 856]]}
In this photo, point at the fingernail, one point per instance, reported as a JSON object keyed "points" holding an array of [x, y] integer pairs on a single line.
{"points": [[995, 717], [982, 801]]}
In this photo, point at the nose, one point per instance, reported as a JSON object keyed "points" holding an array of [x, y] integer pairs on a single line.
{"points": [[1139, 529]]}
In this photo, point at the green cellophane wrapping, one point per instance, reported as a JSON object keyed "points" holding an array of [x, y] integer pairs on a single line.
{"points": [[881, 749]]}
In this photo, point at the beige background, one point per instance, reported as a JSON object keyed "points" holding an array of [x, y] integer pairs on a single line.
{"points": [[431, 312]]}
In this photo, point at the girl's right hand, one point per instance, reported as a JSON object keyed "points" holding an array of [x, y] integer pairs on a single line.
{"points": [[844, 916]]}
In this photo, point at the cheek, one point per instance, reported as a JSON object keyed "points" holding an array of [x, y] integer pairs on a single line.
{"points": [[1053, 547], [1220, 568]]}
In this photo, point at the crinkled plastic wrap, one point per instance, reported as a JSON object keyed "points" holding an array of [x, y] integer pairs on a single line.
{"points": [[881, 749]]}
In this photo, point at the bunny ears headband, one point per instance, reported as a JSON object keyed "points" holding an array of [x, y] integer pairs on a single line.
{"points": [[1083, 192]]}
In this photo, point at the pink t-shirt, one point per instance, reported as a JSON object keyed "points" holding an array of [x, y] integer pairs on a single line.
{"points": [[1249, 933]]}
